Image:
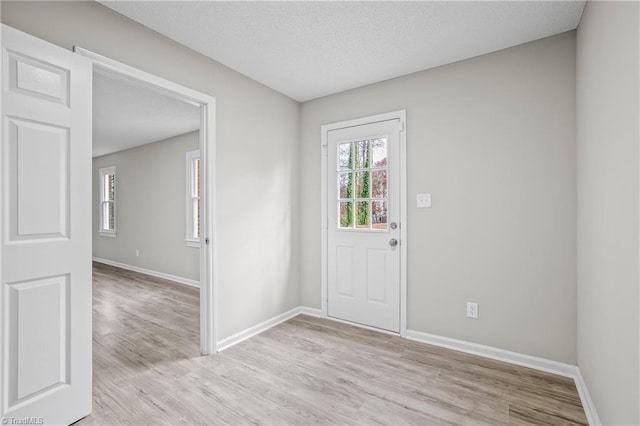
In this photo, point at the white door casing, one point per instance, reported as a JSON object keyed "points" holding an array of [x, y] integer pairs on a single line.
{"points": [[45, 232], [364, 217], [207, 105]]}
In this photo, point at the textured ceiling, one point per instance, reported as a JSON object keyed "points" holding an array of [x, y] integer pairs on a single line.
{"points": [[312, 49], [126, 116]]}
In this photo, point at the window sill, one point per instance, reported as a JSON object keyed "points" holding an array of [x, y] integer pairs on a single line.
{"points": [[192, 243], [107, 234]]}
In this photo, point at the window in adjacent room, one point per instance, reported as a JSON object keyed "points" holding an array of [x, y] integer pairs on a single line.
{"points": [[193, 198], [108, 201]]}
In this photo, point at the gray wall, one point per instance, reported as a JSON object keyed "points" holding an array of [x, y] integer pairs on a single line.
{"points": [[493, 139], [257, 150], [608, 214], [151, 213]]}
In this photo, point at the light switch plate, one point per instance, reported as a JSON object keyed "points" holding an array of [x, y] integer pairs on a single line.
{"points": [[423, 201]]}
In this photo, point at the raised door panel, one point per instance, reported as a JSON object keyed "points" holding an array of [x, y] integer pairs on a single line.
{"points": [[377, 278], [38, 79], [37, 333], [344, 271], [37, 164]]}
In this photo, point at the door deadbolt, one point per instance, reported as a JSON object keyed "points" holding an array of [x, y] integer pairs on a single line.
{"points": [[393, 225]]}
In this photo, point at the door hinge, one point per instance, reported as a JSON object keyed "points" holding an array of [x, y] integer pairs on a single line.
{"points": [[401, 125]]}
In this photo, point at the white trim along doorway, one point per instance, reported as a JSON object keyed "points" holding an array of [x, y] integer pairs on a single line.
{"points": [[207, 105], [394, 121]]}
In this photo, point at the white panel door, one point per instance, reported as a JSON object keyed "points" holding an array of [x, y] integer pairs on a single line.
{"points": [[45, 268], [364, 224]]}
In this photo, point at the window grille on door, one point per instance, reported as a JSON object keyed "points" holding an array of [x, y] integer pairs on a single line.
{"points": [[363, 184]]}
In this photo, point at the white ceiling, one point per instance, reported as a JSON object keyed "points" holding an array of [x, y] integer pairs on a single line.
{"points": [[311, 49], [126, 116]]}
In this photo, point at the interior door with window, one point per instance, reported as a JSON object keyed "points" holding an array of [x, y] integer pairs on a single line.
{"points": [[364, 224], [45, 232]]}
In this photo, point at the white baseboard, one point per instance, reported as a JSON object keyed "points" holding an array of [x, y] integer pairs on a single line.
{"points": [[312, 312], [542, 364], [256, 329], [587, 403], [179, 280]]}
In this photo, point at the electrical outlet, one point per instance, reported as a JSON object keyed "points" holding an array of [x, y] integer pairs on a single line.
{"points": [[472, 310], [137, 253]]}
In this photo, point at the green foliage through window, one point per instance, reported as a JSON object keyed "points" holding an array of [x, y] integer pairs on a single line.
{"points": [[362, 175]]}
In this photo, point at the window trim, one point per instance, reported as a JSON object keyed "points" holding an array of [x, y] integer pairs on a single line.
{"points": [[191, 156], [102, 172]]}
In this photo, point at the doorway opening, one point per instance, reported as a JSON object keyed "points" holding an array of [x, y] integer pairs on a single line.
{"points": [[197, 170]]}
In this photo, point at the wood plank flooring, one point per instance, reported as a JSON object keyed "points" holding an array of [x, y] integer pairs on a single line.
{"points": [[147, 370]]}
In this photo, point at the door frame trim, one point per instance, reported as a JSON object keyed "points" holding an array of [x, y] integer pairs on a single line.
{"points": [[207, 105], [324, 214]]}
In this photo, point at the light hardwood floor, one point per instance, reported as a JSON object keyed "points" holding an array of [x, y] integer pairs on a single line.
{"points": [[147, 370]]}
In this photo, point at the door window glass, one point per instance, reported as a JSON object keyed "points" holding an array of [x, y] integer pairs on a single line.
{"points": [[362, 184]]}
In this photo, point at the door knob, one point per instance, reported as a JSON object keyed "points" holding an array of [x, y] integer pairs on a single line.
{"points": [[393, 242]]}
